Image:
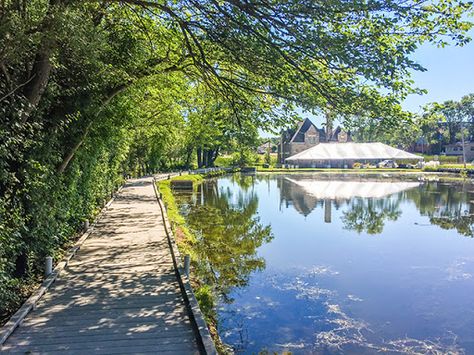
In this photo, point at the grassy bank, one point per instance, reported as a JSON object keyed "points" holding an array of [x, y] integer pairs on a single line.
{"points": [[185, 239], [453, 169], [338, 171]]}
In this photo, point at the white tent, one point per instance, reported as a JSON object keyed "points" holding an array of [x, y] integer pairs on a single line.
{"points": [[354, 152]]}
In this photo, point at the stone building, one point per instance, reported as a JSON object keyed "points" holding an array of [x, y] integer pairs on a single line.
{"points": [[306, 135]]}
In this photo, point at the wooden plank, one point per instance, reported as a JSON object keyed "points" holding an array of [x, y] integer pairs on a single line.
{"points": [[100, 293], [115, 351], [122, 268], [103, 302], [159, 311], [151, 276], [105, 348], [70, 338], [106, 329], [171, 343]]}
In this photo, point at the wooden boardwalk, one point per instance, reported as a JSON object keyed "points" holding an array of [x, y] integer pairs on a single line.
{"points": [[119, 294]]}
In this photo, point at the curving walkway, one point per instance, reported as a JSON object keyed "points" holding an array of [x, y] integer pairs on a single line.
{"points": [[119, 294]]}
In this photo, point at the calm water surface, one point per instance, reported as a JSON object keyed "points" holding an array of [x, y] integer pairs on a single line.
{"points": [[314, 264]]}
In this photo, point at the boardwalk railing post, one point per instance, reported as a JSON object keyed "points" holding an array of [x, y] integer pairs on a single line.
{"points": [[48, 266], [187, 262]]}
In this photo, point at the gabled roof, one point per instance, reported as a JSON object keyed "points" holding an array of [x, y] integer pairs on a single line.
{"points": [[353, 151], [335, 133], [301, 130]]}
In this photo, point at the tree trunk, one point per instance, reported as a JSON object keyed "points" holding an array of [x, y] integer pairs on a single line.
{"points": [[199, 157], [205, 162], [187, 162], [41, 71], [110, 95], [67, 158], [210, 158], [215, 155], [21, 265], [39, 78]]}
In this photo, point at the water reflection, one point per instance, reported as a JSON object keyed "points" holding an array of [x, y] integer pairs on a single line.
{"points": [[309, 285], [347, 189], [228, 231], [447, 207], [373, 202], [370, 215]]}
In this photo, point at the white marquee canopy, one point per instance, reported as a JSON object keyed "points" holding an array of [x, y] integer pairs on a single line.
{"points": [[352, 151]]}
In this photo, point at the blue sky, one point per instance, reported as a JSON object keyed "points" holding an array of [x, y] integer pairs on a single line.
{"points": [[449, 76]]}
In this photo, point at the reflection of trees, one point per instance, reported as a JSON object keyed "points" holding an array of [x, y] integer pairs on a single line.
{"points": [[369, 215], [245, 181], [229, 233], [447, 205], [463, 224]]}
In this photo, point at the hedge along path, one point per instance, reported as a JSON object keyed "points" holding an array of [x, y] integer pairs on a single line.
{"points": [[121, 292]]}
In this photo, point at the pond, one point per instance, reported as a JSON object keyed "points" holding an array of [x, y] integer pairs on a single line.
{"points": [[338, 264]]}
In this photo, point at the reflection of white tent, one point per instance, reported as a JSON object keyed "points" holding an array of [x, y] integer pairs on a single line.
{"points": [[349, 152], [325, 189]]}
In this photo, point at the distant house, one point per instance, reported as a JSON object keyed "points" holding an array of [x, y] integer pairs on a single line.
{"points": [[421, 146], [456, 150], [306, 135], [265, 147]]}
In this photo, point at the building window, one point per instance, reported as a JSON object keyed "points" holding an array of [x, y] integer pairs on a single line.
{"points": [[312, 139]]}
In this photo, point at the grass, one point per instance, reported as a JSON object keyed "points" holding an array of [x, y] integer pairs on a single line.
{"points": [[185, 239], [452, 168], [456, 166], [338, 171]]}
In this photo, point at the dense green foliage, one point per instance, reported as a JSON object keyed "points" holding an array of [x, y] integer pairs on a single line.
{"points": [[435, 200], [438, 125], [94, 90]]}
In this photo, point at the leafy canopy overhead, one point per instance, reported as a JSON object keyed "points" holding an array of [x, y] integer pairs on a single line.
{"points": [[346, 55]]}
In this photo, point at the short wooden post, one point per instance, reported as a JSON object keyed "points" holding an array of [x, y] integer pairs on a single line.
{"points": [[48, 266], [86, 225], [187, 263]]}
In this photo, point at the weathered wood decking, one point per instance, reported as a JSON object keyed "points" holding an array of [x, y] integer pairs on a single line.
{"points": [[119, 294]]}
